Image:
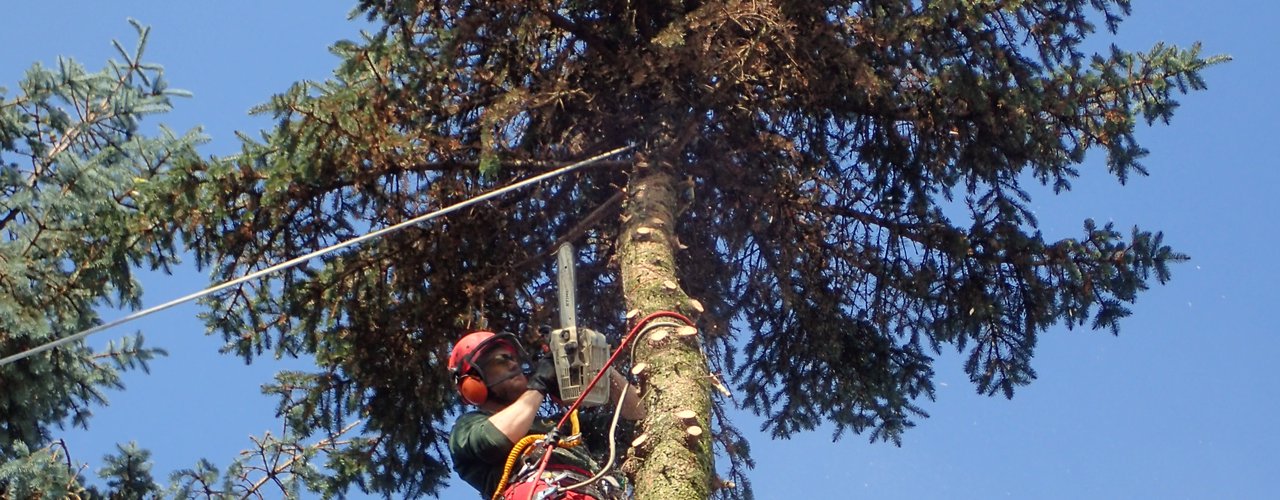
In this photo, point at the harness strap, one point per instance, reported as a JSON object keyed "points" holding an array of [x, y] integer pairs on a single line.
{"points": [[527, 487]]}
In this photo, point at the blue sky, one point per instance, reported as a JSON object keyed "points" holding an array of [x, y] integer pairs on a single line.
{"points": [[1178, 406]]}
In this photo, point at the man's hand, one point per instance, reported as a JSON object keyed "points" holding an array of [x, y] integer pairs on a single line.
{"points": [[544, 378]]}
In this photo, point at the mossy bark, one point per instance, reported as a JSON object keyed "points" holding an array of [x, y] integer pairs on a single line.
{"points": [[670, 463]]}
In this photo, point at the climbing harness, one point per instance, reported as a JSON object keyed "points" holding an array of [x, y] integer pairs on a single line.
{"points": [[529, 443], [553, 484]]}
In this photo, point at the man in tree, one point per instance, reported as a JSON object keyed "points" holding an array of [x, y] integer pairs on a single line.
{"points": [[487, 368]]}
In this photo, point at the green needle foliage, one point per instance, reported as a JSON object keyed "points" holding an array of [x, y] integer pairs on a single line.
{"points": [[75, 167], [843, 186]]}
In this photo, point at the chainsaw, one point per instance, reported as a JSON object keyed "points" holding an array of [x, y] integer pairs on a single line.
{"points": [[578, 353]]}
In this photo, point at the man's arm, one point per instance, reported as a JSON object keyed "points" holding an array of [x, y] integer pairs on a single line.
{"points": [[632, 406], [514, 420]]}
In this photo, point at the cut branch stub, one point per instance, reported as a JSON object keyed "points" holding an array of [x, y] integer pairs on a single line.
{"points": [[658, 336], [689, 416], [639, 368], [633, 313], [670, 285], [715, 382], [695, 305], [686, 331]]}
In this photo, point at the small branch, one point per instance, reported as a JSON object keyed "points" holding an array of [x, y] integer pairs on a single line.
{"points": [[63, 444], [578, 229], [574, 29], [109, 354], [13, 214], [297, 454]]}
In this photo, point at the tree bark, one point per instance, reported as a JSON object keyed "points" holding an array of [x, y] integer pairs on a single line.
{"points": [[672, 463]]}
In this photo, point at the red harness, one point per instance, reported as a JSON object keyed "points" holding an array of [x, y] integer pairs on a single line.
{"points": [[561, 476]]}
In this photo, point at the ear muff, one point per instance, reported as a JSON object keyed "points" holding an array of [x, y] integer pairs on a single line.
{"points": [[472, 389]]}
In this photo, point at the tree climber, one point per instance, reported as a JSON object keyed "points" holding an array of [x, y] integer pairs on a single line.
{"points": [[488, 372]]}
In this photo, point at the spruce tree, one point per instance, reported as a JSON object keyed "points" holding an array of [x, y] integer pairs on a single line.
{"points": [[837, 192], [75, 169]]}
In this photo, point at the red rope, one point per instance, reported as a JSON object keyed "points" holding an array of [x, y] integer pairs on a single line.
{"points": [[542, 465]]}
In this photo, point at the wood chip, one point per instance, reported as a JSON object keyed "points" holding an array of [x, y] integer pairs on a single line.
{"points": [[715, 382], [686, 331]]}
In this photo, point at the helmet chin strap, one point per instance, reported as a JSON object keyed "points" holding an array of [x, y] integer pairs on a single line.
{"points": [[501, 397], [490, 385]]}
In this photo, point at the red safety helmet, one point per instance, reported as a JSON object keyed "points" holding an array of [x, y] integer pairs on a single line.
{"points": [[468, 377]]}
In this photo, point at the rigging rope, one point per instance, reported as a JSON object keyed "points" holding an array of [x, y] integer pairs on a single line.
{"points": [[298, 260]]}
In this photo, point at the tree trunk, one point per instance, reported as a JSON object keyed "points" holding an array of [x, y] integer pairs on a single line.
{"points": [[673, 462]]}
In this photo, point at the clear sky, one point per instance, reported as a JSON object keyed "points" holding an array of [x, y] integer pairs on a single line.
{"points": [[1180, 405]]}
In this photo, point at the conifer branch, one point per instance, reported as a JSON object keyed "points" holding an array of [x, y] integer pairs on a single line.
{"points": [[9, 217], [572, 234], [272, 472], [574, 29]]}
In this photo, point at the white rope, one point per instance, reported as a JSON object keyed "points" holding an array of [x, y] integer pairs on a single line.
{"points": [[298, 260]]}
